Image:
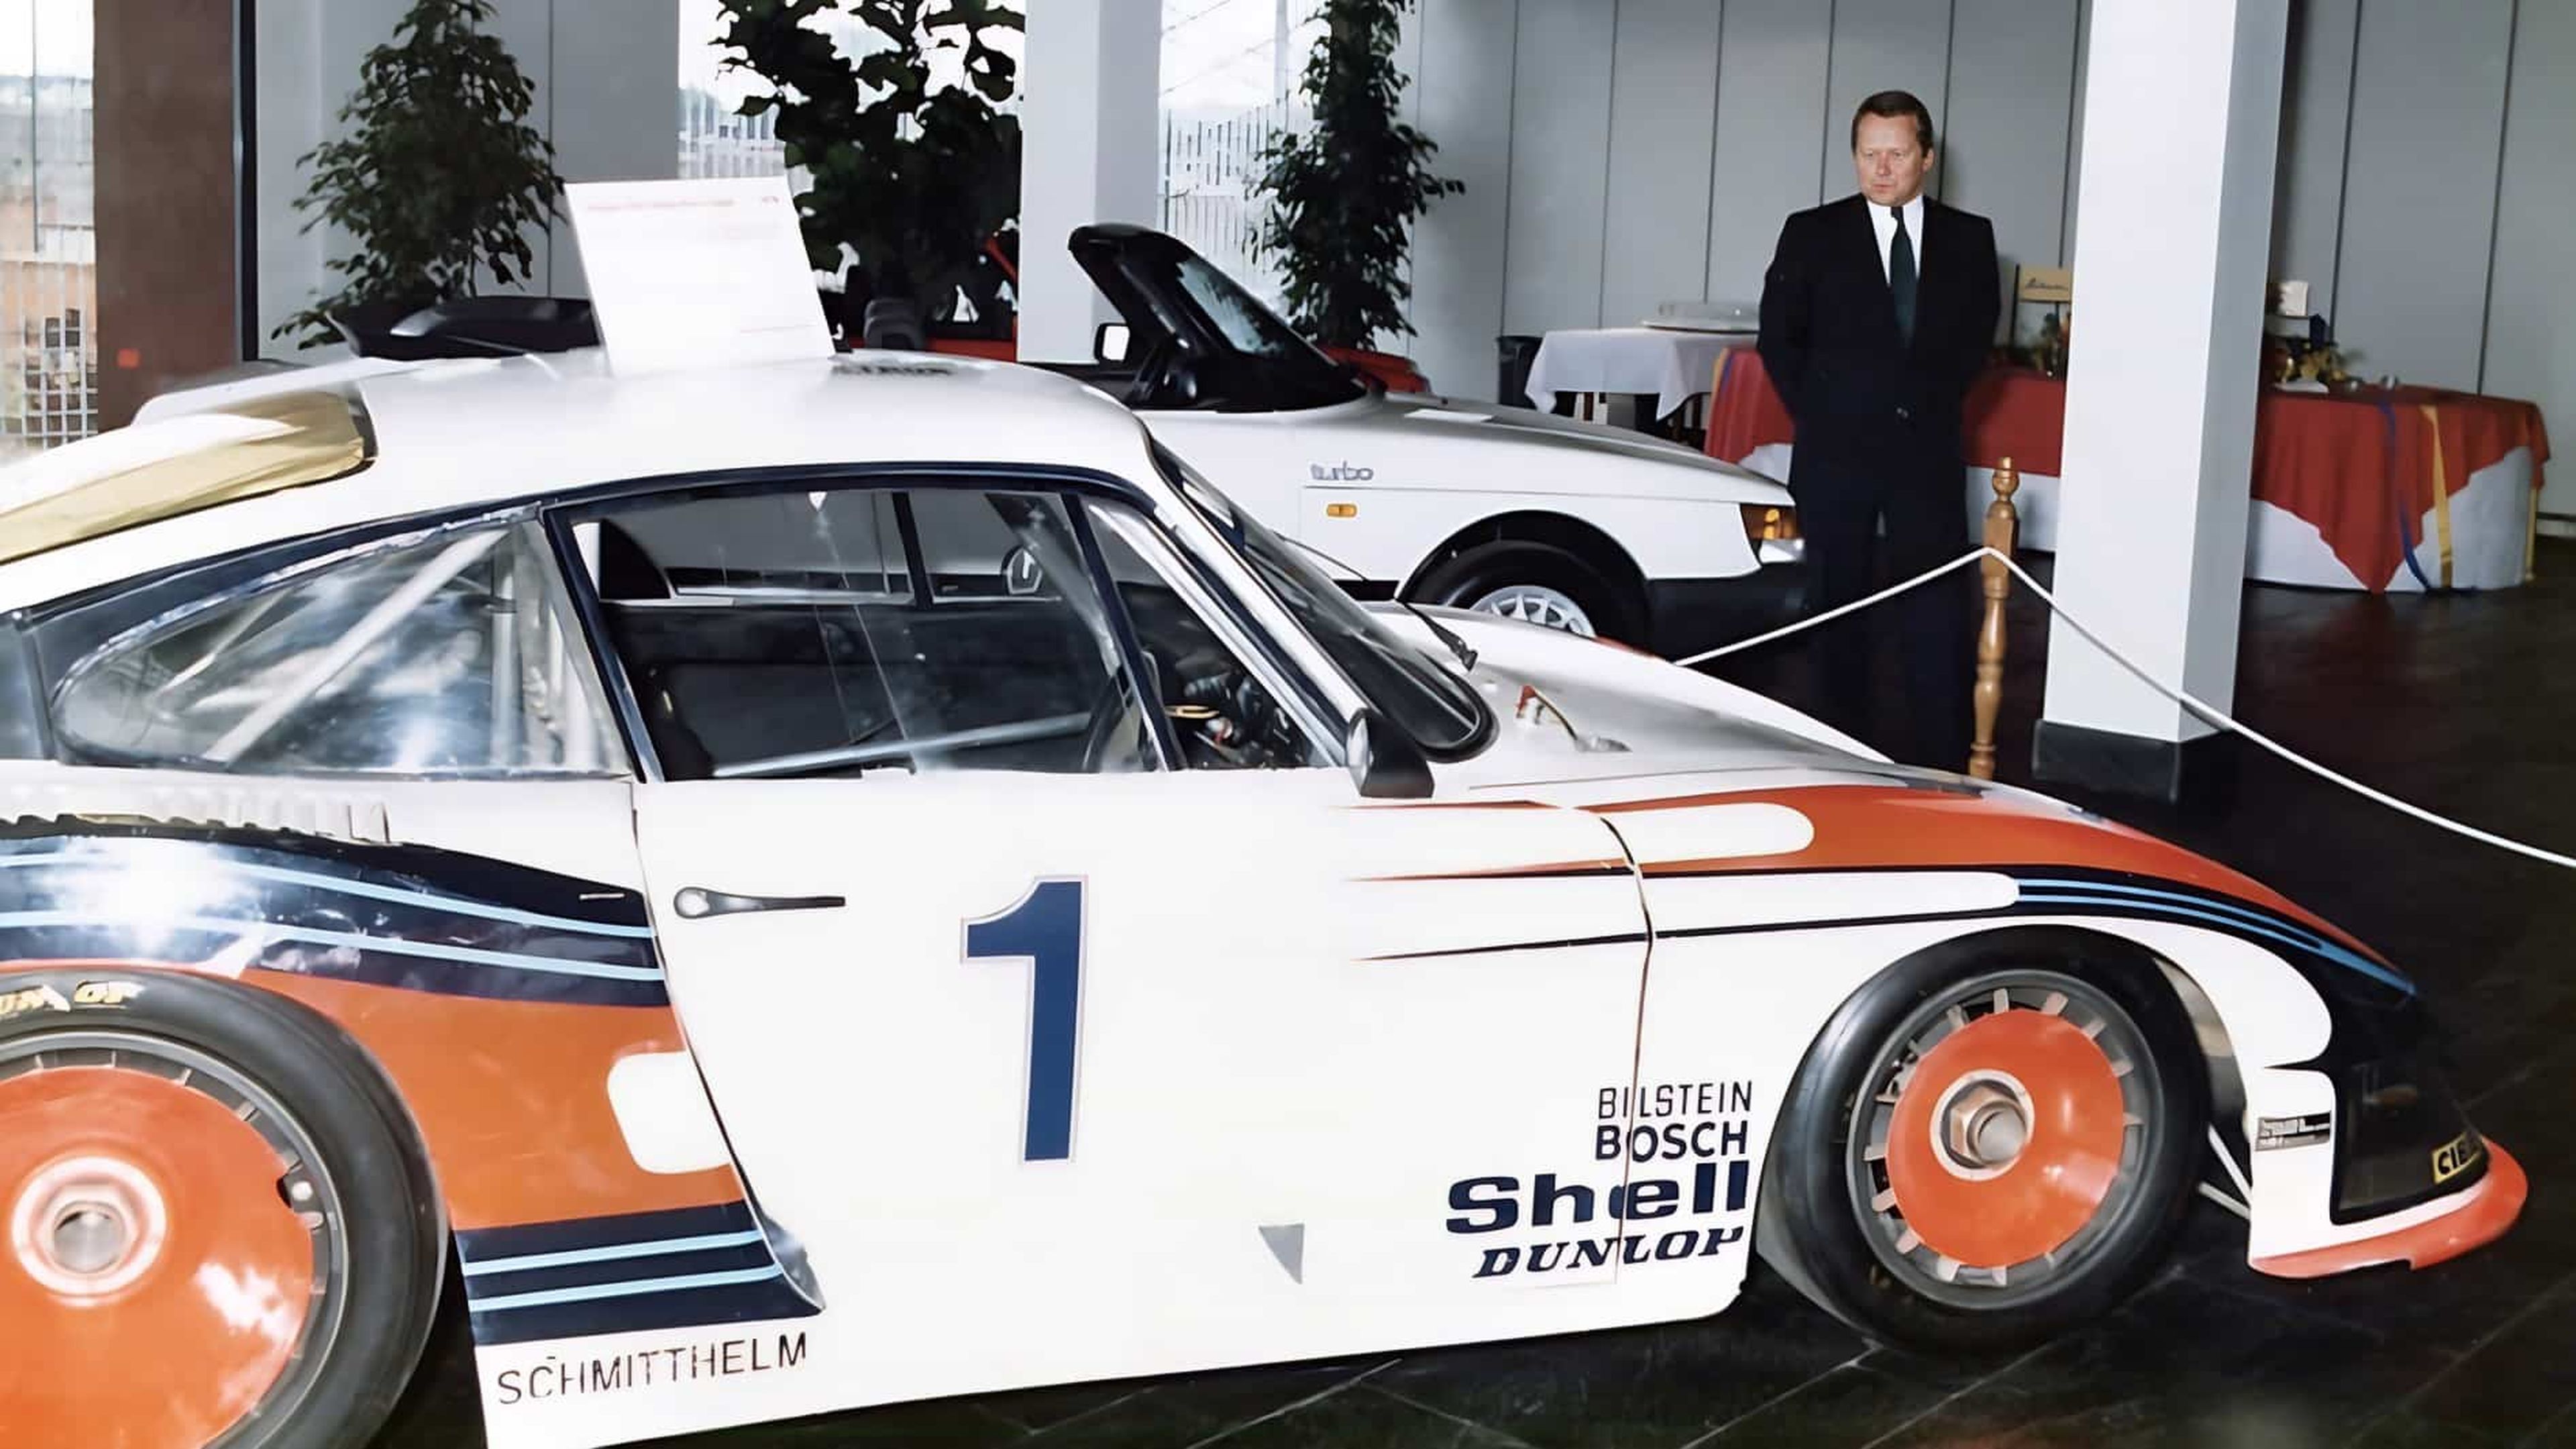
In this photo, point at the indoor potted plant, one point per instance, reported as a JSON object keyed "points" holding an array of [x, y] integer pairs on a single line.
{"points": [[1344, 193], [437, 179], [919, 182]]}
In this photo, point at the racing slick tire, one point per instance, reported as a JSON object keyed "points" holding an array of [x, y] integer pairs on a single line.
{"points": [[222, 1228], [1538, 583], [1990, 1143]]}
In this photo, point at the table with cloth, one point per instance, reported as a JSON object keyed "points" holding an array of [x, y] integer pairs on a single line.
{"points": [[1671, 364], [2385, 489]]}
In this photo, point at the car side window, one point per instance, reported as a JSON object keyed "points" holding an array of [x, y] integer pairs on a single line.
{"points": [[836, 632], [454, 657], [1222, 715]]}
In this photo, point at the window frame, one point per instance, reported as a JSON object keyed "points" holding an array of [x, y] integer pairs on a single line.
{"points": [[62, 631], [1071, 487]]}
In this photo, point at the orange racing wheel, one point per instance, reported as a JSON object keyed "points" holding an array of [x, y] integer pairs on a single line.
{"points": [[215, 1219]]}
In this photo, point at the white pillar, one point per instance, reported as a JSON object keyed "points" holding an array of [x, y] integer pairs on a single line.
{"points": [[2181, 124], [1090, 152]]}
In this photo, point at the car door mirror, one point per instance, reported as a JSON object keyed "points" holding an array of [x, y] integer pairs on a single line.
{"points": [[1110, 342], [1386, 763]]}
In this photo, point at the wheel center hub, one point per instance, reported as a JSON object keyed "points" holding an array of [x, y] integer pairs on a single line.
{"points": [[1981, 1125], [88, 1227]]}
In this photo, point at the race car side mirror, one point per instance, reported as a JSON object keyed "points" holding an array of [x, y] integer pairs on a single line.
{"points": [[1110, 342], [1386, 764]]}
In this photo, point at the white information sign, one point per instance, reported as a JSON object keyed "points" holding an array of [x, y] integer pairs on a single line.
{"points": [[696, 274]]}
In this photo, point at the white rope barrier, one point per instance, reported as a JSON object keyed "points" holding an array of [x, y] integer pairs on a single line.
{"points": [[2211, 713]]}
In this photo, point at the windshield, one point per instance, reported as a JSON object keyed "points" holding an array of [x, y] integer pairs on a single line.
{"points": [[1272, 368], [1427, 701]]}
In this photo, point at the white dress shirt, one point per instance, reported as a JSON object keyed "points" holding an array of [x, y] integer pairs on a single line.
{"points": [[1883, 219]]}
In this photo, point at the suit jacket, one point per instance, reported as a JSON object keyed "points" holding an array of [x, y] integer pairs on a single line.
{"points": [[1874, 412]]}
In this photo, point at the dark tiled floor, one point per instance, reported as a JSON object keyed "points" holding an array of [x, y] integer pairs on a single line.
{"points": [[2463, 704]]}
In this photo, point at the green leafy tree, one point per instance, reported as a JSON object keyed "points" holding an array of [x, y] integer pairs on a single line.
{"points": [[437, 175], [1344, 193], [913, 178]]}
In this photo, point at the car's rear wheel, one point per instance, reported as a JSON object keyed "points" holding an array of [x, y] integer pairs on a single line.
{"points": [[221, 1229], [1983, 1151], [1535, 582]]}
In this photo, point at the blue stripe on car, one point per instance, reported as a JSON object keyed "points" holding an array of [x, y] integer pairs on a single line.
{"points": [[346, 886]]}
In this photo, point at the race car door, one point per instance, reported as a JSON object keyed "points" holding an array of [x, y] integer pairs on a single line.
{"points": [[1056, 1061]]}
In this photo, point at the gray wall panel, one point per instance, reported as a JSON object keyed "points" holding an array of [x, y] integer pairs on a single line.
{"points": [[1772, 58], [1881, 45], [1560, 165], [2419, 194], [1464, 92], [2004, 154], [2316, 106], [2531, 311], [1663, 131]]}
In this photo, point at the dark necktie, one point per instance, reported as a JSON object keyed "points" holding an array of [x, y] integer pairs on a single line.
{"points": [[1900, 277]]}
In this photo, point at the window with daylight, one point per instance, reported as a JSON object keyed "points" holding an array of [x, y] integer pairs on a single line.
{"points": [[48, 226]]}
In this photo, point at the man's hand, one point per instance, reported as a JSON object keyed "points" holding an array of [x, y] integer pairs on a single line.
{"points": [[1977, 342], [1786, 306]]}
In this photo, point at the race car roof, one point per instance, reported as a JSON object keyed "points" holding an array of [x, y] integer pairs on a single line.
{"points": [[449, 435]]}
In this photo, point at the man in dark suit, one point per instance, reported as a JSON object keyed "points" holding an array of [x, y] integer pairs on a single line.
{"points": [[1877, 313]]}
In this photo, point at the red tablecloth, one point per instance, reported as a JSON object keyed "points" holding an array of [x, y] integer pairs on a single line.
{"points": [[2362, 467]]}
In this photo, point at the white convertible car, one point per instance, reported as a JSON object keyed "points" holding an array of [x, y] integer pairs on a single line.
{"points": [[866, 879], [1580, 526]]}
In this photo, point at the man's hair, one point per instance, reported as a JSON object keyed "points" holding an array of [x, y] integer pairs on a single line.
{"points": [[1894, 104]]}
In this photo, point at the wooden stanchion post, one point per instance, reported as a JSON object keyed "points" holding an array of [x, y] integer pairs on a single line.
{"points": [[2003, 521]]}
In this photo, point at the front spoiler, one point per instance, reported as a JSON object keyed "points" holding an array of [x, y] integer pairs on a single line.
{"points": [[2484, 1212]]}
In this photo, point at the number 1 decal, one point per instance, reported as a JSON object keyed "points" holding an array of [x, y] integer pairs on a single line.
{"points": [[1045, 929]]}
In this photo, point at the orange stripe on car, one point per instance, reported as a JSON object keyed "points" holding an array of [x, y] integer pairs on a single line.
{"points": [[1511, 872], [512, 1098], [1874, 826]]}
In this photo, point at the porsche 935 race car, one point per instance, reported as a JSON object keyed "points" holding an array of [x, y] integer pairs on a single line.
{"points": [[868, 879]]}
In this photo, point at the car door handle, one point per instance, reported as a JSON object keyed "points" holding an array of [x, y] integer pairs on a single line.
{"points": [[697, 903]]}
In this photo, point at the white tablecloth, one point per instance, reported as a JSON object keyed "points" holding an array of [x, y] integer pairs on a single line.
{"points": [[2491, 524], [1672, 363]]}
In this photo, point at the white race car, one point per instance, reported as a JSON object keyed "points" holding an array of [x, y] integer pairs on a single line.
{"points": [[1584, 527], [867, 879]]}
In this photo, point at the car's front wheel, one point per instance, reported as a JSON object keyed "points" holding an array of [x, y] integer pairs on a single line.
{"points": [[1987, 1146], [1537, 583], [221, 1228]]}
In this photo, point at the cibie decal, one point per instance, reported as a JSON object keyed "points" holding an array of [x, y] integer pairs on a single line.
{"points": [[557, 1378], [1563, 1221], [2457, 1156], [1340, 473]]}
